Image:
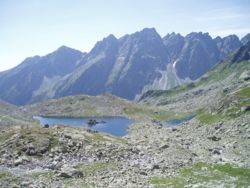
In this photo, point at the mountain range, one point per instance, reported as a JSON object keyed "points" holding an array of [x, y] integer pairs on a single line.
{"points": [[126, 66]]}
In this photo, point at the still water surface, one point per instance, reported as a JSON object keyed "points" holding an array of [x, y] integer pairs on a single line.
{"points": [[116, 126]]}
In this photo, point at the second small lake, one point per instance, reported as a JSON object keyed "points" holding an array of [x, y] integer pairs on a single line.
{"points": [[178, 121], [116, 126]]}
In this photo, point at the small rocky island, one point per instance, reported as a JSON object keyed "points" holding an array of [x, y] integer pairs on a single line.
{"points": [[92, 122]]}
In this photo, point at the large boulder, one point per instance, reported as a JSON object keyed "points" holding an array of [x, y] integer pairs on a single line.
{"points": [[70, 173]]}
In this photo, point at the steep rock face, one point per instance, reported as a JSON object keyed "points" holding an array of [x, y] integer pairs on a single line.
{"points": [[122, 67], [18, 84], [90, 78], [141, 56], [245, 39], [227, 45], [243, 54], [174, 43], [197, 56]]}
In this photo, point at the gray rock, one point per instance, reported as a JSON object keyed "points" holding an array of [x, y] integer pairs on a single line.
{"points": [[164, 146], [21, 160], [143, 173], [214, 138], [245, 76], [245, 108], [70, 173]]}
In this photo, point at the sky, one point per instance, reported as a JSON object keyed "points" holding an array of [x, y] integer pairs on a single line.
{"points": [[38, 27]]}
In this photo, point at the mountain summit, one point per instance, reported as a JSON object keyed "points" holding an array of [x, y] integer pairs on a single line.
{"points": [[125, 67], [19, 85]]}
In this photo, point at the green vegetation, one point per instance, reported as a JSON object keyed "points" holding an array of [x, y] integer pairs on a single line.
{"points": [[241, 99], [76, 182], [10, 121], [97, 137], [244, 92], [206, 175], [161, 115], [223, 70], [39, 137], [93, 168], [3, 175], [218, 73], [235, 110], [169, 93], [9, 178], [5, 135], [208, 118], [48, 175]]}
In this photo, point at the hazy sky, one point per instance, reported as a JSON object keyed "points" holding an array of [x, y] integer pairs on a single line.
{"points": [[37, 27]]}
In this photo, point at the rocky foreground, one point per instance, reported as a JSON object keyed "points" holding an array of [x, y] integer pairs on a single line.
{"points": [[210, 150], [150, 156]]}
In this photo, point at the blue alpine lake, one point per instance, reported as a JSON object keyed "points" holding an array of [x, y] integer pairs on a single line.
{"points": [[178, 121], [116, 126]]}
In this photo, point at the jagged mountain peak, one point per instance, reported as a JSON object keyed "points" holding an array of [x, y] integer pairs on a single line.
{"points": [[110, 38], [104, 45], [124, 66], [151, 30], [147, 34], [172, 35], [197, 35], [227, 44], [62, 50], [245, 39]]}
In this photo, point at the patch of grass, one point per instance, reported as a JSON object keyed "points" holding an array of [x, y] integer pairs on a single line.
{"points": [[76, 182], [9, 179], [93, 168], [99, 137], [5, 135], [233, 171], [47, 175], [121, 140], [235, 110], [3, 175], [10, 121], [204, 174], [95, 137], [223, 70], [208, 118], [159, 182], [50, 176], [168, 93], [53, 142], [244, 92], [158, 114], [42, 139]]}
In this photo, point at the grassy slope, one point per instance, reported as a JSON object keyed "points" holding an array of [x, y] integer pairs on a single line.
{"points": [[206, 175], [100, 106], [218, 73]]}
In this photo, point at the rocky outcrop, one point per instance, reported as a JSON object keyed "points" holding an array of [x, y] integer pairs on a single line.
{"points": [[227, 45], [197, 56]]}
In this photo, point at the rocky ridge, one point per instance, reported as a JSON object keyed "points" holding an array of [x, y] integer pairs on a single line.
{"points": [[126, 66]]}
